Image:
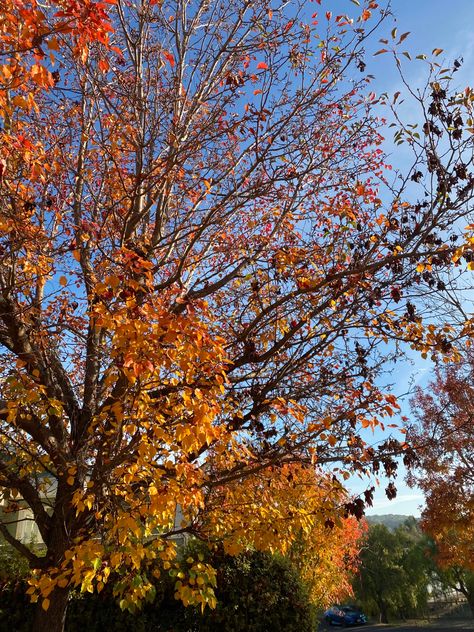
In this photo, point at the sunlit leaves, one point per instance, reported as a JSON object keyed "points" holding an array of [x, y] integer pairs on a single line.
{"points": [[200, 278]]}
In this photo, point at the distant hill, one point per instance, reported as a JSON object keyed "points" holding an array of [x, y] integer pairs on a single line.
{"points": [[391, 521]]}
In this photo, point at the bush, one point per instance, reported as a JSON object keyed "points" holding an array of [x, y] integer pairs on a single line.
{"points": [[256, 592], [16, 612]]}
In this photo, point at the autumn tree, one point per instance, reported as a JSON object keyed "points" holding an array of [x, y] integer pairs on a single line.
{"points": [[327, 557], [320, 562], [315, 531], [198, 278], [444, 436]]}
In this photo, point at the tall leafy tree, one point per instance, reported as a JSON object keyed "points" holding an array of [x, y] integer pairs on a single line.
{"points": [[444, 436], [198, 278], [456, 578], [394, 571], [380, 575]]}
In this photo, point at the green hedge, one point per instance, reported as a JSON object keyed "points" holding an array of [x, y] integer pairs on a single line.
{"points": [[257, 592]]}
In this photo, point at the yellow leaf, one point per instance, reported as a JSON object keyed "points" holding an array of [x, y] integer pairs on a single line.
{"points": [[470, 265], [20, 102], [45, 604]]}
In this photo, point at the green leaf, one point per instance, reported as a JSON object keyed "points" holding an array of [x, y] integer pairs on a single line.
{"points": [[96, 564], [151, 594]]}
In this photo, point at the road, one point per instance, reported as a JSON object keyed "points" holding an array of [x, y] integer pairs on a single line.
{"points": [[444, 626]]}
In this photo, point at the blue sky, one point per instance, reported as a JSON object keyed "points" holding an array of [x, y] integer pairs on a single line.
{"points": [[432, 24]]}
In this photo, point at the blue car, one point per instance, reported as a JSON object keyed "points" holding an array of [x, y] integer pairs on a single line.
{"points": [[344, 615]]}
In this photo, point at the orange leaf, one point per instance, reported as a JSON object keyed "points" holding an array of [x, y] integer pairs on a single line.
{"points": [[262, 65], [53, 44]]}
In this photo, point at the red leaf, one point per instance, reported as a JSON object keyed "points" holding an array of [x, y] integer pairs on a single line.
{"points": [[262, 65], [169, 57]]}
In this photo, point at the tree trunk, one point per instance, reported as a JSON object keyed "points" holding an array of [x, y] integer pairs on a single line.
{"points": [[470, 601], [383, 612], [54, 618]]}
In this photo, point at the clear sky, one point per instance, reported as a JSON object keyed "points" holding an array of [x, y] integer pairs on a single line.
{"points": [[435, 24], [432, 24]]}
